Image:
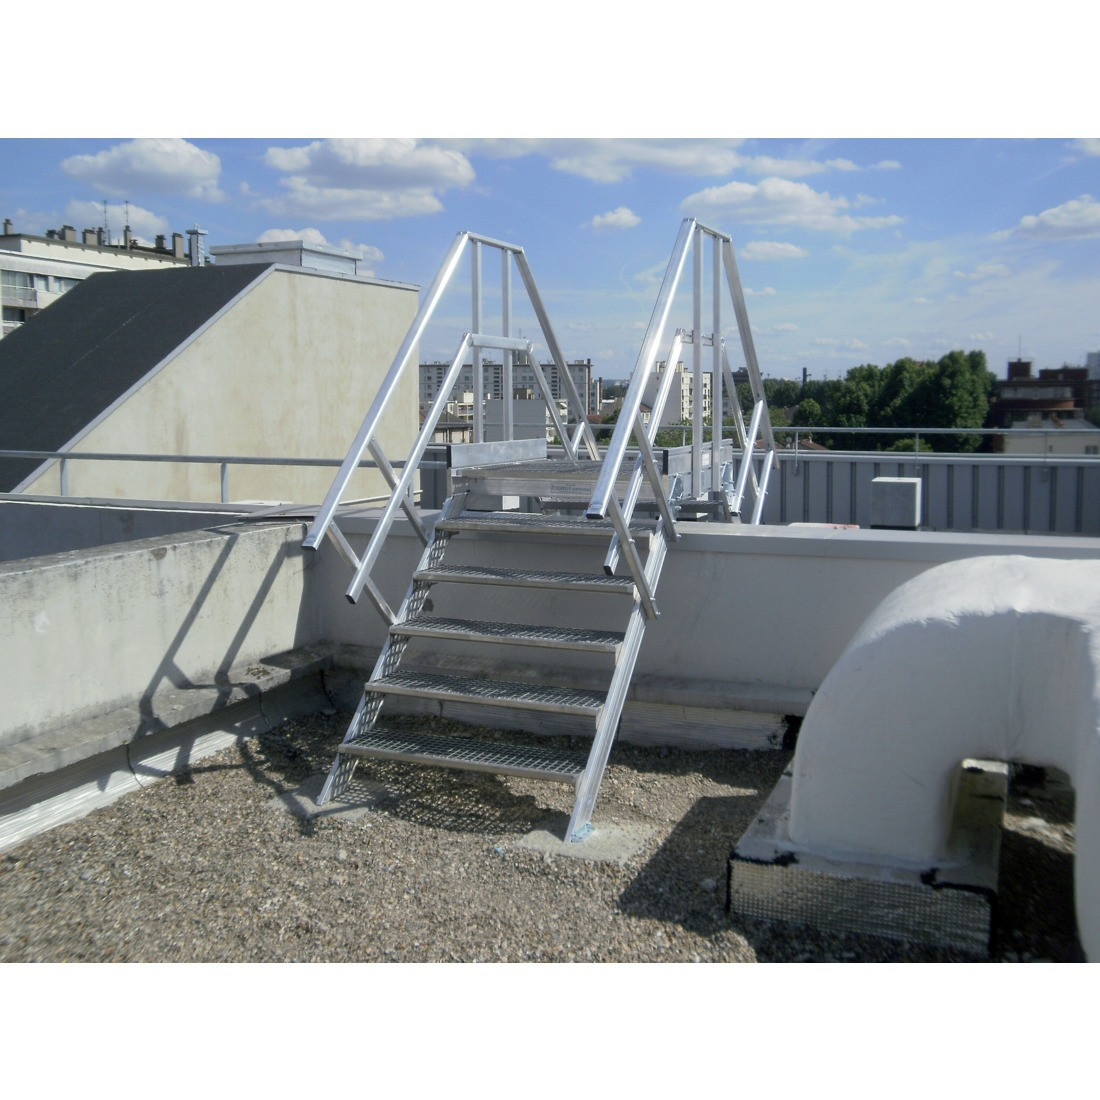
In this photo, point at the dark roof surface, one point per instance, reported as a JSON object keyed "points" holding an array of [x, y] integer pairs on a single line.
{"points": [[70, 362]]}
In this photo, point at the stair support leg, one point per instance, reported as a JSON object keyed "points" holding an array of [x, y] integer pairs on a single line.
{"points": [[607, 725]]}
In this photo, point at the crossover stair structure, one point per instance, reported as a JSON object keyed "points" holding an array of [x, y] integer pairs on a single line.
{"points": [[482, 584]]}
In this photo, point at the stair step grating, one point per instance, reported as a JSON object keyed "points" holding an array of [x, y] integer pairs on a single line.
{"points": [[527, 578], [552, 637], [464, 753], [537, 524], [501, 693]]}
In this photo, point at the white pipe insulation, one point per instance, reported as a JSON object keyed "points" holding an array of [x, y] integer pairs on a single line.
{"points": [[995, 658]]}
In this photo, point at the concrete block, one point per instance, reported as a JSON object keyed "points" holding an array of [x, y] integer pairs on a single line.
{"points": [[950, 906], [895, 503]]}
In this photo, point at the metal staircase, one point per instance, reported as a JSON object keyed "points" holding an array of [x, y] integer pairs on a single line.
{"points": [[616, 514]]}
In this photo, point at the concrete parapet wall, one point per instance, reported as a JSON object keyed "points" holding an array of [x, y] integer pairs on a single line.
{"points": [[765, 611], [87, 632], [161, 629]]}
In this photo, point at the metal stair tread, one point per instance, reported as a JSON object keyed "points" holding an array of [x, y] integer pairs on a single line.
{"points": [[465, 753], [537, 524], [526, 578], [503, 693], [560, 637]]}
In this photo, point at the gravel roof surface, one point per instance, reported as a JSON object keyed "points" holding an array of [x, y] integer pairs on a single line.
{"points": [[202, 868]]}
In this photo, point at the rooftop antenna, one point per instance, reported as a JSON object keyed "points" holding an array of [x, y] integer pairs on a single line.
{"points": [[106, 223]]}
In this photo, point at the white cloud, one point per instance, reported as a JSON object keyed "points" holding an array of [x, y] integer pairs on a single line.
{"points": [[373, 179], [304, 199], [765, 292], [777, 201], [1089, 146], [166, 166], [1077, 218], [984, 271], [144, 224], [887, 165], [850, 344], [775, 330], [613, 160], [652, 276], [620, 218], [772, 250], [373, 163]]}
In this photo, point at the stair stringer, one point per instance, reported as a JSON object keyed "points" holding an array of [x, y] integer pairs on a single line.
{"points": [[393, 650], [607, 724]]}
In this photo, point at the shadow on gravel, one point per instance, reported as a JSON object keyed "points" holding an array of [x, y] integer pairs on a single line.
{"points": [[1035, 913], [457, 801], [685, 881]]}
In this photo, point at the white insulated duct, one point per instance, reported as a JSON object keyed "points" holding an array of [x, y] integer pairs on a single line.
{"points": [[995, 658]]}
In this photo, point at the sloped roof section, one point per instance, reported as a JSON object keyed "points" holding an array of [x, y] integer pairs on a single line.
{"points": [[71, 362]]}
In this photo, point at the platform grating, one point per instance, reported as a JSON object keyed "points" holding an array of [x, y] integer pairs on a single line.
{"points": [[554, 637], [463, 753], [501, 693]]}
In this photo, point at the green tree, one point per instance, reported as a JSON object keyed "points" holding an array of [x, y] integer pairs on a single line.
{"points": [[782, 393], [909, 444], [808, 414]]}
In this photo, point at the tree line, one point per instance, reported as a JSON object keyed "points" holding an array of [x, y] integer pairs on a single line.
{"points": [[952, 392]]}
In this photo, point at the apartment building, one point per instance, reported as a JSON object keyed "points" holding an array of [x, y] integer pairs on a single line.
{"points": [[523, 383], [35, 271], [681, 398]]}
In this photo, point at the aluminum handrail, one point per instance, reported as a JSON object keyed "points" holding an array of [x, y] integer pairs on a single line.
{"points": [[647, 356], [365, 438], [385, 392]]}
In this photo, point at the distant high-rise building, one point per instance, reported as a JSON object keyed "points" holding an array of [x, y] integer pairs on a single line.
{"points": [[524, 383]]}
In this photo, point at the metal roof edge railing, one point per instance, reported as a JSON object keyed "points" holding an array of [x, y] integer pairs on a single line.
{"points": [[225, 462]]}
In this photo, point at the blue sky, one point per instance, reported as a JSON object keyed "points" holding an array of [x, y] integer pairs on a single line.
{"points": [[854, 250]]}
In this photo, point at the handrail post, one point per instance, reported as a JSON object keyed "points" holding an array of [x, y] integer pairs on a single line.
{"points": [[717, 404], [476, 327], [506, 383], [620, 439], [696, 363]]}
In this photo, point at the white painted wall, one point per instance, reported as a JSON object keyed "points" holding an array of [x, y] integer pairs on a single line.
{"points": [[290, 370]]}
